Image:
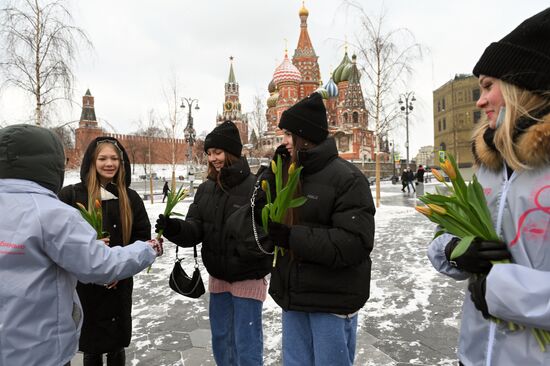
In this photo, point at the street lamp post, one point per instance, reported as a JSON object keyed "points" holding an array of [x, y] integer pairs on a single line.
{"points": [[407, 108], [190, 137]]}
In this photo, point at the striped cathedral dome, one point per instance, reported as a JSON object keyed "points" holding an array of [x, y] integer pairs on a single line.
{"points": [[286, 72], [331, 88]]}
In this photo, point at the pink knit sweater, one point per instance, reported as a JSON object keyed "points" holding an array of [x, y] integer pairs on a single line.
{"points": [[250, 289]]}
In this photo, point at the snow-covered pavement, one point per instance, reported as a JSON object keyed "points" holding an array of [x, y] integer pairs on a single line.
{"points": [[411, 318]]}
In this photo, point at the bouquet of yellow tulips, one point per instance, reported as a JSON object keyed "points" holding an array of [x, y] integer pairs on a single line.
{"points": [[464, 213], [94, 216], [276, 210]]}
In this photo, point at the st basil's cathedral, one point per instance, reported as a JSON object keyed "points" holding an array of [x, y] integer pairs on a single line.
{"points": [[347, 114], [296, 79]]}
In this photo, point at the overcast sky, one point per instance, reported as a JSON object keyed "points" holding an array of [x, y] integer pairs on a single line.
{"points": [[141, 46]]}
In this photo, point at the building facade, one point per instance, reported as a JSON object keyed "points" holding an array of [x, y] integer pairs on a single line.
{"points": [[347, 114], [425, 156], [456, 117], [232, 106]]}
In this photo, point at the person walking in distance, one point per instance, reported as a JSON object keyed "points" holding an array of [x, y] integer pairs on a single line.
{"points": [[165, 191]]}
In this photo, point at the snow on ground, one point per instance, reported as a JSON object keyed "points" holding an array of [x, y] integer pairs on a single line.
{"points": [[409, 317]]}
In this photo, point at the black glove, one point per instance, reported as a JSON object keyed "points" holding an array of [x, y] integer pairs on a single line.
{"points": [[283, 152], [168, 225], [477, 258], [477, 294], [279, 234]]}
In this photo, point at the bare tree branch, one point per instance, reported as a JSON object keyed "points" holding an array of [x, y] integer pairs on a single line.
{"points": [[40, 50]]}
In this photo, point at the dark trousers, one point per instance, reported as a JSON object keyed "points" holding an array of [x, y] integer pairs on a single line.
{"points": [[116, 358]]}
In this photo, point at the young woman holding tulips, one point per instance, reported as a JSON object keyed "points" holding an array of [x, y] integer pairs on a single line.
{"points": [[322, 279], [237, 282], [105, 179], [512, 150]]}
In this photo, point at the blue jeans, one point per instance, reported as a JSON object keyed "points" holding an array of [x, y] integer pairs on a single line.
{"points": [[236, 327], [318, 339], [410, 183]]}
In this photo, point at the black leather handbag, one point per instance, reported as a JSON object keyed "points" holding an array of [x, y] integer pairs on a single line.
{"points": [[180, 282]]}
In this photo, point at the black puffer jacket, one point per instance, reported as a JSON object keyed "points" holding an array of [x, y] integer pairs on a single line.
{"points": [[108, 312], [224, 258], [328, 267]]}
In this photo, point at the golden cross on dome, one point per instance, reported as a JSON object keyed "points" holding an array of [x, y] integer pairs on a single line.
{"points": [[286, 45]]}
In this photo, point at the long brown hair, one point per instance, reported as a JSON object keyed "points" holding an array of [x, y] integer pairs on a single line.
{"points": [[298, 144], [94, 190], [213, 174]]}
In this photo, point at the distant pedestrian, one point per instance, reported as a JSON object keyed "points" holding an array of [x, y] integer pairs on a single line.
{"points": [[45, 246], [165, 191], [511, 148], [104, 175], [404, 180], [410, 180], [420, 180]]}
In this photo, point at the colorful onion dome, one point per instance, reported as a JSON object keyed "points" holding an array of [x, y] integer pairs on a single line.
{"points": [[303, 11], [331, 88], [271, 87], [286, 72], [341, 73], [272, 100]]}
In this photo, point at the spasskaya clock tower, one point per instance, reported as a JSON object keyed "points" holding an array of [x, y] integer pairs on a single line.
{"points": [[232, 106]]}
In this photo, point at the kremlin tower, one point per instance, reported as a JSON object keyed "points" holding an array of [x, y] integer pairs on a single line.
{"points": [[232, 106]]}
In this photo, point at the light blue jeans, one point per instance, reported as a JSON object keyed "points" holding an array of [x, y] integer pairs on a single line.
{"points": [[318, 339], [236, 327]]}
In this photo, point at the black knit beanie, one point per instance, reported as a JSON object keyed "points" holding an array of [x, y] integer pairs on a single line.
{"points": [[226, 137], [307, 119], [521, 58]]}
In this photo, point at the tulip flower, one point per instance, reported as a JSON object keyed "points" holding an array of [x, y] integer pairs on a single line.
{"points": [[437, 209], [276, 210], [94, 216], [437, 175], [424, 210], [448, 169]]}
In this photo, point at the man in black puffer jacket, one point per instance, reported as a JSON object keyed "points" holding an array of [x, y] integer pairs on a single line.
{"points": [[324, 281]]}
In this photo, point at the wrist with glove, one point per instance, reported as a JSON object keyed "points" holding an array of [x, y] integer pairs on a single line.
{"points": [[479, 255], [279, 234], [477, 288], [168, 225], [156, 244], [283, 152]]}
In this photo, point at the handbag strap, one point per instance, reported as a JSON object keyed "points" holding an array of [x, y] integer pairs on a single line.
{"points": [[194, 255], [252, 205]]}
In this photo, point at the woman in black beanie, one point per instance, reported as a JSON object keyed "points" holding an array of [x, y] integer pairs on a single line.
{"points": [[237, 283], [512, 152], [322, 281]]}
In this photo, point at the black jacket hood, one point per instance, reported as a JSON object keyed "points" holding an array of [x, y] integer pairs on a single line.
{"points": [[88, 155], [32, 153]]}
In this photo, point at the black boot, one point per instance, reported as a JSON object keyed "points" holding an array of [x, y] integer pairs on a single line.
{"points": [[116, 358]]}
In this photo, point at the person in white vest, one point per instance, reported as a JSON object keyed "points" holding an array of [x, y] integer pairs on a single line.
{"points": [[512, 151]]}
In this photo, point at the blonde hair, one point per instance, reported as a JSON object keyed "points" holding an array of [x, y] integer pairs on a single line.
{"points": [[519, 103], [94, 190]]}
